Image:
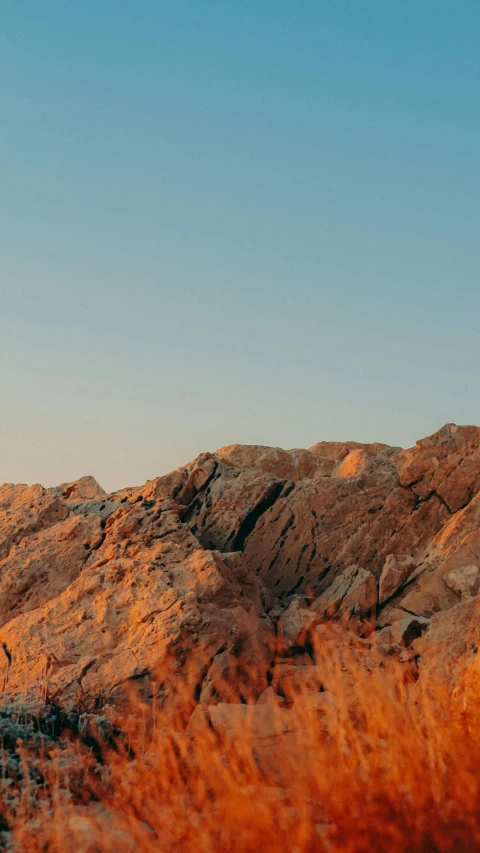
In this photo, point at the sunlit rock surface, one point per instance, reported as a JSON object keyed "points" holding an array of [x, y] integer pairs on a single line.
{"points": [[235, 552]]}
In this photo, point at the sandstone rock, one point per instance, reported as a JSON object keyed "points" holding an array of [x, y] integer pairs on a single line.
{"points": [[354, 465], [27, 510], [465, 581], [297, 464], [428, 595], [300, 537], [408, 629], [270, 697], [445, 463], [243, 456], [299, 681], [391, 614], [262, 721], [396, 571], [97, 590], [295, 622], [317, 528], [89, 619], [384, 637], [456, 545], [42, 566], [458, 542], [242, 669], [447, 649], [9, 493], [224, 513], [338, 450], [252, 586], [84, 489], [354, 590]]}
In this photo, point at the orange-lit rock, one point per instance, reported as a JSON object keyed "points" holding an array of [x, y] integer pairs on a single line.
{"points": [[98, 590], [465, 581], [353, 591], [295, 622], [396, 571]]}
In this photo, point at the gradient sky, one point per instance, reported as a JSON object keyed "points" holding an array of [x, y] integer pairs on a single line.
{"points": [[234, 222]]}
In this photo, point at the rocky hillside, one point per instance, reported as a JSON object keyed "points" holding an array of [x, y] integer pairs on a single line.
{"points": [[235, 552]]}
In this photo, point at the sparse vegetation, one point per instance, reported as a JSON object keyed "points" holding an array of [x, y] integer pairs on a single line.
{"points": [[383, 766]]}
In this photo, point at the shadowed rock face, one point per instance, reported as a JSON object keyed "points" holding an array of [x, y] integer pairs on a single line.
{"points": [[97, 589]]}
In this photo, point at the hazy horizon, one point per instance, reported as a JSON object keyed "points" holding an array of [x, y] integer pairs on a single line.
{"points": [[158, 473], [234, 223]]}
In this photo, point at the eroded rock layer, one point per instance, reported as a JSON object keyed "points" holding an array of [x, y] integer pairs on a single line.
{"points": [[237, 551]]}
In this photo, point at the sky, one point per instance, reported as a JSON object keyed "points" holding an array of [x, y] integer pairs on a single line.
{"points": [[252, 221]]}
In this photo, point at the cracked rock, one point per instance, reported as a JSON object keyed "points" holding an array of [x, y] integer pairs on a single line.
{"points": [[293, 625], [354, 590], [465, 581], [396, 571]]}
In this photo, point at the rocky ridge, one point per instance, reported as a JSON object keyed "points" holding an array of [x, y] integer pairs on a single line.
{"points": [[240, 553]]}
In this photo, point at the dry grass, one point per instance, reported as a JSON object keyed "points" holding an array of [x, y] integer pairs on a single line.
{"points": [[384, 767]]}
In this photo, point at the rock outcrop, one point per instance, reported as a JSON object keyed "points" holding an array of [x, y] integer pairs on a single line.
{"points": [[235, 553], [395, 573], [353, 591]]}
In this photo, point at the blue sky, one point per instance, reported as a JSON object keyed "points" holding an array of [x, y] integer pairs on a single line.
{"points": [[234, 222]]}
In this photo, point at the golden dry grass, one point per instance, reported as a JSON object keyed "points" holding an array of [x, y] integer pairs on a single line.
{"points": [[385, 767]]}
